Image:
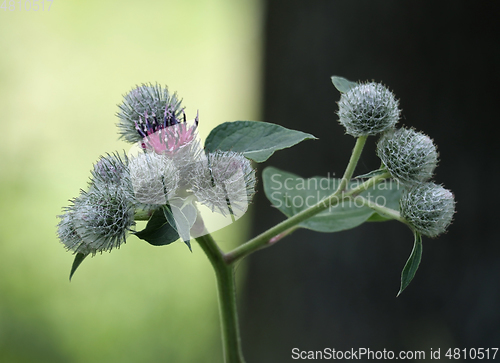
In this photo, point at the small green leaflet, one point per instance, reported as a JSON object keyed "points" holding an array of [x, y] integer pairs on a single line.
{"points": [[158, 231], [256, 140], [342, 85], [79, 257], [182, 218], [412, 264]]}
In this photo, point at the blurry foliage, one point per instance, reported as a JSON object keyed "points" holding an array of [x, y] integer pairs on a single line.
{"points": [[62, 73]]}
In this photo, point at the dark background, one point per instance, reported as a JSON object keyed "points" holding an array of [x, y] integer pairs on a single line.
{"points": [[311, 290]]}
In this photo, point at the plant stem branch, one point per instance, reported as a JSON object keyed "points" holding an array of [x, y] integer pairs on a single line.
{"points": [[231, 342], [384, 211], [282, 235], [353, 162], [142, 215], [266, 238]]}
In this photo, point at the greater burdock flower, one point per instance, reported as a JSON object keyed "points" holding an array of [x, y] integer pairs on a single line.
{"points": [[409, 156], [147, 109], [171, 171], [167, 139], [97, 221], [173, 137], [225, 182], [154, 178], [152, 117], [428, 207], [368, 109]]}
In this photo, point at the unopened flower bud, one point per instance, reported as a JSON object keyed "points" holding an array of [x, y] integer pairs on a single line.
{"points": [[112, 171], [409, 156], [368, 109], [67, 234], [225, 182], [97, 221], [428, 207], [154, 178]]}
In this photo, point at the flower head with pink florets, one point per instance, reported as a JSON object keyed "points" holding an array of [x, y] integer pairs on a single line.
{"points": [[154, 118]]}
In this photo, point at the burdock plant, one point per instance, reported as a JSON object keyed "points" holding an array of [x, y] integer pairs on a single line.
{"points": [[172, 178]]}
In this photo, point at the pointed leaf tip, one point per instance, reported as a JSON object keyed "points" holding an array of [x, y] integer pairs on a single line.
{"points": [[254, 139], [76, 262], [412, 264], [342, 85], [158, 231]]}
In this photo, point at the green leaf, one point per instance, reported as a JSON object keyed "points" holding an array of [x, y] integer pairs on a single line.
{"points": [[256, 140], [378, 218], [158, 231], [292, 194], [181, 215], [76, 262], [342, 85], [411, 266]]}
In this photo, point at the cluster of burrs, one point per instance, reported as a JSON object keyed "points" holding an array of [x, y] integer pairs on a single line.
{"points": [[172, 169], [408, 155]]}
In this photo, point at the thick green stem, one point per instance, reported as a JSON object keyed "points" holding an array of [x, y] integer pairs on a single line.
{"points": [[223, 264], [282, 235], [226, 285], [142, 215]]}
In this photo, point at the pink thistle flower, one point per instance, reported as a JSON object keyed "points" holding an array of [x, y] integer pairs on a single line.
{"points": [[166, 137]]}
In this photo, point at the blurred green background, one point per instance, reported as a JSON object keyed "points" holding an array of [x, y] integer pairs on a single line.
{"points": [[62, 73]]}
